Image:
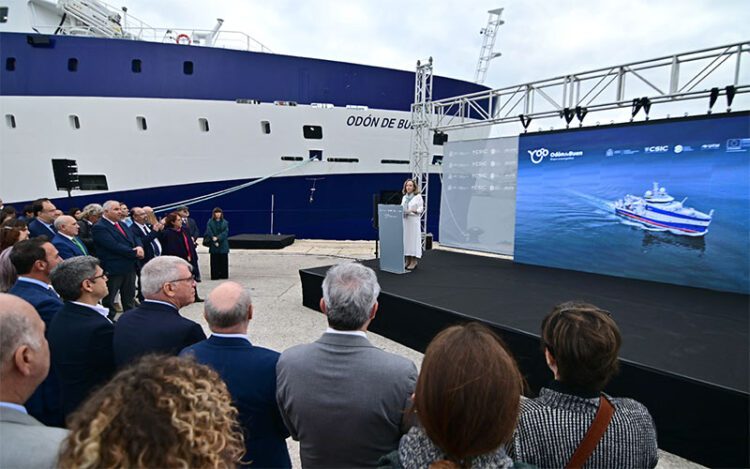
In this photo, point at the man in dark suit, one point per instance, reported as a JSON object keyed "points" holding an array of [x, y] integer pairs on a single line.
{"points": [[147, 236], [34, 259], [194, 232], [66, 240], [24, 363], [44, 218], [343, 398], [248, 371], [118, 250], [156, 325], [80, 335]]}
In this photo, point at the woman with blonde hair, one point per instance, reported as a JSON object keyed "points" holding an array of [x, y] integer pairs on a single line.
{"points": [[160, 412], [413, 205]]}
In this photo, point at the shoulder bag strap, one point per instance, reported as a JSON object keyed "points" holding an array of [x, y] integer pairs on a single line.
{"points": [[593, 435]]}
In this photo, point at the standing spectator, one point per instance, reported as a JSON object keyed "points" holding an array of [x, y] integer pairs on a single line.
{"points": [[34, 259], [147, 236], [161, 412], [28, 213], [248, 370], [24, 363], [581, 343], [44, 217], [176, 241], [466, 401], [11, 232], [8, 212], [190, 224], [75, 212], [80, 335], [342, 397], [118, 250], [125, 212], [66, 240], [89, 217], [217, 234], [156, 325]]}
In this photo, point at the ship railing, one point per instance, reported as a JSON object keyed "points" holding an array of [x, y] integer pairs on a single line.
{"points": [[197, 37]]}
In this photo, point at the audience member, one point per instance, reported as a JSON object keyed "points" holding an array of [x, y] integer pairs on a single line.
{"points": [[28, 213], [118, 250], [217, 240], [75, 212], [161, 412], [190, 224], [80, 335], [44, 218], [89, 217], [248, 371], [581, 343], [342, 397], [125, 214], [34, 259], [466, 401], [8, 212], [176, 241], [11, 232], [156, 325], [66, 240], [24, 363], [147, 235]]}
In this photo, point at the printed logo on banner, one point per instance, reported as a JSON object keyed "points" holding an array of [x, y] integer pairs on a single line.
{"points": [[538, 155]]}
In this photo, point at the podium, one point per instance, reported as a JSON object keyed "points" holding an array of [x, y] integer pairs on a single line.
{"points": [[391, 233]]}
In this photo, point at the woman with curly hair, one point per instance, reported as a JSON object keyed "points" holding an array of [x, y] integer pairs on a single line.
{"points": [[160, 412]]}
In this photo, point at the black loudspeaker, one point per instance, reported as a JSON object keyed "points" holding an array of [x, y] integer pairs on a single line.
{"points": [[38, 40], [66, 174], [439, 138]]}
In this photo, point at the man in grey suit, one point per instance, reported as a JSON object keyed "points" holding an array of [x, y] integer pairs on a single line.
{"points": [[341, 397], [24, 363]]}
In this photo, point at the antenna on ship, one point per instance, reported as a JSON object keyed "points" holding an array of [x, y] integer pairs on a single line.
{"points": [[486, 53]]}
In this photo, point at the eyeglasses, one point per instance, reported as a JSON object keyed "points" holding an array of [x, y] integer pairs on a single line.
{"points": [[103, 275], [183, 279]]}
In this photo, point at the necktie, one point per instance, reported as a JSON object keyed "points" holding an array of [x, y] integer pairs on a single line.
{"points": [[154, 242], [80, 246], [119, 228]]}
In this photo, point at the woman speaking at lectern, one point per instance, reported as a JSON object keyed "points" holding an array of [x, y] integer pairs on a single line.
{"points": [[413, 207]]}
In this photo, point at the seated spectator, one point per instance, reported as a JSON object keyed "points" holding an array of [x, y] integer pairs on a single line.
{"points": [[342, 397], [11, 232], [156, 325], [66, 240], [161, 412], [581, 343], [24, 363], [80, 335], [248, 371], [467, 403]]}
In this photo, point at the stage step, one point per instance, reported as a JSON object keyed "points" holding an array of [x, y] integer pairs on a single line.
{"points": [[260, 241]]}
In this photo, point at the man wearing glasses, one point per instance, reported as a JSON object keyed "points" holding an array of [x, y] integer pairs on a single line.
{"points": [[80, 335], [156, 326]]}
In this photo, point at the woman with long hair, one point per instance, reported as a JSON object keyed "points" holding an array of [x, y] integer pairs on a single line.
{"points": [[176, 241], [216, 238], [160, 412], [11, 232]]}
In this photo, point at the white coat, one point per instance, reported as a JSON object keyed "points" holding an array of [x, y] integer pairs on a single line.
{"points": [[412, 232]]}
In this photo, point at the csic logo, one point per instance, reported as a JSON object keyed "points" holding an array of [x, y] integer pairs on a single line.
{"points": [[656, 149], [538, 155]]}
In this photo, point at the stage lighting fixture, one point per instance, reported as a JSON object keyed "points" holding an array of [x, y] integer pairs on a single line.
{"points": [[646, 103], [439, 138], [731, 91], [568, 114], [712, 98], [525, 121], [636, 107], [580, 114]]}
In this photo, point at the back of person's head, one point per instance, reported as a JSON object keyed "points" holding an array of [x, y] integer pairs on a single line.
{"points": [[38, 205], [10, 232], [350, 291], [159, 412], [26, 253], [584, 342], [21, 326], [68, 276], [161, 270], [468, 392], [92, 211], [227, 305]]}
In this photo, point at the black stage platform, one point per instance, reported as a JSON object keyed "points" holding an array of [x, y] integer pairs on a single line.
{"points": [[684, 354], [260, 241]]}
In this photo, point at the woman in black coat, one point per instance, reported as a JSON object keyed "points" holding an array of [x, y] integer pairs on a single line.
{"points": [[176, 241]]}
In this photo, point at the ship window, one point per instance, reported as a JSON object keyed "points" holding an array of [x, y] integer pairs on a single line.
{"points": [[74, 121], [313, 132], [187, 67], [141, 121], [72, 64], [315, 155], [339, 159], [291, 158], [394, 161], [93, 182], [203, 124], [10, 119], [135, 65], [10, 64], [265, 127], [3, 14]]}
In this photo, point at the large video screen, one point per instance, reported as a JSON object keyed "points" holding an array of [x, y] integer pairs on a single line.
{"points": [[477, 205], [667, 201]]}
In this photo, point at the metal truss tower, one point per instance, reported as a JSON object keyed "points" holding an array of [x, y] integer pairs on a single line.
{"points": [[421, 121], [486, 53]]}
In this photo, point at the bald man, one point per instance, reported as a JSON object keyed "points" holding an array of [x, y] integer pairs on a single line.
{"points": [[66, 240], [24, 363], [248, 371]]}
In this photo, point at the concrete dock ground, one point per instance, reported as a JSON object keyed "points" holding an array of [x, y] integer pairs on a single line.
{"points": [[280, 321]]}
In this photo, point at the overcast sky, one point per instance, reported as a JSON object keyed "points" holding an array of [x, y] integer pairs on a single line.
{"points": [[540, 38]]}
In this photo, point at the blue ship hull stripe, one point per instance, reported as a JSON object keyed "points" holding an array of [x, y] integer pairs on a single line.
{"points": [[675, 226], [676, 215]]}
